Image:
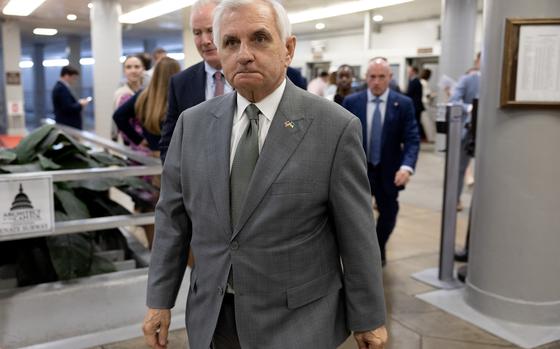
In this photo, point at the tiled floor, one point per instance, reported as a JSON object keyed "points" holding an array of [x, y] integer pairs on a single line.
{"points": [[413, 324]]}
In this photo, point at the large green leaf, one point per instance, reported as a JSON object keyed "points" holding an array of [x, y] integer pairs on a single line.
{"points": [[107, 159], [47, 164], [101, 265], [32, 167], [71, 255], [73, 207], [7, 156], [101, 184], [25, 150]]}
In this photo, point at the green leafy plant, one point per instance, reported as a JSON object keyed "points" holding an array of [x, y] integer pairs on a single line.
{"points": [[72, 255]]}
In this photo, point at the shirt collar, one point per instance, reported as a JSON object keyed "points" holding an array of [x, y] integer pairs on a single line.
{"points": [[64, 83], [267, 106], [384, 96], [210, 70]]}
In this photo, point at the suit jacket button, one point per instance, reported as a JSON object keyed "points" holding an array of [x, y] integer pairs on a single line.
{"points": [[234, 245], [221, 291]]}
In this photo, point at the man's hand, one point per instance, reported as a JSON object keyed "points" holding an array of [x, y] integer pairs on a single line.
{"points": [[402, 177], [156, 327], [374, 339]]}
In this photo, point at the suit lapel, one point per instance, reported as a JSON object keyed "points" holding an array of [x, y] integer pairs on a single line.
{"points": [[218, 150], [362, 115], [199, 85], [281, 141], [389, 116]]}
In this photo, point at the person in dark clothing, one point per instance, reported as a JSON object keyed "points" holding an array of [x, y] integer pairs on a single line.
{"points": [[67, 107], [344, 78], [414, 91]]}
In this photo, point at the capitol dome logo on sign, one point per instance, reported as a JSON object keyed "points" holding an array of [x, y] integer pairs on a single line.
{"points": [[22, 211]]}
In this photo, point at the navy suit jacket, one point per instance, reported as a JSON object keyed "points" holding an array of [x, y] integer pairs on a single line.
{"points": [[400, 140], [67, 110], [414, 91], [186, 89]]}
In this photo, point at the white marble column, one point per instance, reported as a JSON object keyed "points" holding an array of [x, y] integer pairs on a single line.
{"points": [[106, 45], [11, 54], [458, 18], [514, 269]]}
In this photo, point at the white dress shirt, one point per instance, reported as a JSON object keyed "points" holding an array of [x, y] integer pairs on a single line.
{"points": [[383, 109], [211, 84], [267, 106]]}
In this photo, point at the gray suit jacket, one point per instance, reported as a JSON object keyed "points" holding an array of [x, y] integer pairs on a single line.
{"points": [[308, 208]]}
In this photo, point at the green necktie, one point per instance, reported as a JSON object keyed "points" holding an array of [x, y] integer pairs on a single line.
{"points": [[244, 162]]}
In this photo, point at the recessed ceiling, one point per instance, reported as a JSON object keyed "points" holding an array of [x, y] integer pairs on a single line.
{"points": [[52, 14]]}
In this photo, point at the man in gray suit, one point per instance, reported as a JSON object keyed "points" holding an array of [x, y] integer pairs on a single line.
{"points": [[269, 186]]}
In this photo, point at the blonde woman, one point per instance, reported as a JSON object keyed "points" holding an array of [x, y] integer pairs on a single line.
{"points": [[148, 109]]}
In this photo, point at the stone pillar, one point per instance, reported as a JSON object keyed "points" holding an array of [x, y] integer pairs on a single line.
{"points": [[458, 18], [367, 30], [40, 91], [106, 45], [513, 263], [189, 48], [11, 51], [74, 52], [3, 116]]}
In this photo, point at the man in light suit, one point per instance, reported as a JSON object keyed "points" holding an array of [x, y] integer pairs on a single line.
{"points": [[390, 139], [201, 81], [67, 107], [269, 187]]}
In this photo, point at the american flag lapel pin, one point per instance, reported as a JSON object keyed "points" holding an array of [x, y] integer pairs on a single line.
{"points": [[289, 123]]}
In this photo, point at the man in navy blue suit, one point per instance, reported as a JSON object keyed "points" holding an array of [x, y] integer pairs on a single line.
{"points": [[67, 107], [199, 82], [391, 142]]}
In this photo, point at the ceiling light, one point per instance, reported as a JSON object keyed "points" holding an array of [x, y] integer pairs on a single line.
{"points": [[71, 17], [45, 31], [178, 56], [378, 18], [154, 10], [320, 26], [341, 9], [87, 61], [90, 5], [55, 62], [26, 64], [21, 8]]}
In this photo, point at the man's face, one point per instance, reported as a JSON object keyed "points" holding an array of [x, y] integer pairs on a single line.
{"points": [[201, 22], [378, 77], [344, 78], [253, 55]]}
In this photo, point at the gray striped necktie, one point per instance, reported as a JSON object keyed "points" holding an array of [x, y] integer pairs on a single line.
{"points": [[244, 162]]}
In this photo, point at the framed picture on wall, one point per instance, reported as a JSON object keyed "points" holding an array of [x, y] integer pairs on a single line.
{"points": [[530, 70]]}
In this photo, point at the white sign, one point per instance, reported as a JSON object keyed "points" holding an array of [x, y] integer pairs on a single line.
{"points": [[27, 205], [538, 71]]}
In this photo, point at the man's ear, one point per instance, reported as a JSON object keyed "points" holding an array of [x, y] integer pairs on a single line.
{"points": [[290, 49]]}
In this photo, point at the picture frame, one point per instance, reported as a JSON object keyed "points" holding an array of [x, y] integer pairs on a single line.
{"points": [[527, 80]]}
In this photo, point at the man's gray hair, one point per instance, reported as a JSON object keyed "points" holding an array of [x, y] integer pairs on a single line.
{"points": [[198, 4], [282, 21]]}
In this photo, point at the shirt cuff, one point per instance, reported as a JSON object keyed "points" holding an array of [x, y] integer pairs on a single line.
{"points": [[407, 168]]}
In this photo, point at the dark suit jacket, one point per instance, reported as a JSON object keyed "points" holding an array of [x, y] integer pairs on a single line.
{"points": [[400, 140], [67, 110], [186, 89], [306, 266], [414, 91]]}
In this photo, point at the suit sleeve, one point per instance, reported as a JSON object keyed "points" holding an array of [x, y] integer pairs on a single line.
{"points": [[350, 207], [170, 120], [410, 137], [67, 103], [173, 232]]}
